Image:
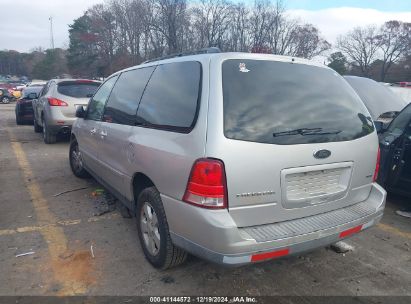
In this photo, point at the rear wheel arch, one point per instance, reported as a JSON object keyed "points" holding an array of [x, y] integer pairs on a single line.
{"points": [[140, 182]]}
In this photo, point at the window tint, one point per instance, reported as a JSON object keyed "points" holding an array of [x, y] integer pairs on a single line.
{"points": [[285, 103], [124, 99], [171, 96], [400, 122], [96, 105], [78, 89]]}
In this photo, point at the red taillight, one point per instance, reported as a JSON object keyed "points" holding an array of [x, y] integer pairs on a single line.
{"points": [[269, 255], [350, 231], [57, 102], [206, 186], [377, 166]]}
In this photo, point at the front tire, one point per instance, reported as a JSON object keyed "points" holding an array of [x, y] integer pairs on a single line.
{"points": [[153, 231], [48, 136], [76, 161], [5, 100]]}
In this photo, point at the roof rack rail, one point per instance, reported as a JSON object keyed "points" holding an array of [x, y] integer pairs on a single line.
{"points": [[209, 50]]}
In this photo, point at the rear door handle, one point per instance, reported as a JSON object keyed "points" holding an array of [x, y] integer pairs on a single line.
{"points": [[93, 131], [103, 134]]}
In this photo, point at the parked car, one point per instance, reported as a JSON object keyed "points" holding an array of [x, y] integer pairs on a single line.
{"points": [[24, 106], [5, 96], [402, 92], [395, 145], [233, 157], [54, 110], [381, 102]]}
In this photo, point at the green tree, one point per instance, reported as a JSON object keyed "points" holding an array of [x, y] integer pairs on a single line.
{"points": [[53, 65], [338, 62], [82, 52]]}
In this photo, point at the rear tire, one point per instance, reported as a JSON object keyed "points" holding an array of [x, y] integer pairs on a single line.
{"points": [[48, 136], [5, 100], [153, 231], [76, 161]]}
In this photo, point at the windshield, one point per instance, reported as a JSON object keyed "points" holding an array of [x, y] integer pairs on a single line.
{"points": [[286, 103], [26, 91], [78, 89], [377, 98]]}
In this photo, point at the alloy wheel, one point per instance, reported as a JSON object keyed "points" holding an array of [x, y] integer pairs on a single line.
{"points": [[77, 159], [149, 229]]}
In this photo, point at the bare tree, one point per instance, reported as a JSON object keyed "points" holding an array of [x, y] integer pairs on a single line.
{"points": [[103, 24], [395, 41], [211, 20], [307, 42], [261, 22], [168, 19], [131, 16], [121, 33], [361, 46], [238, 27]]}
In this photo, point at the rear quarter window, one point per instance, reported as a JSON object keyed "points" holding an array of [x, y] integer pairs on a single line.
{"points": [[78, 89]]}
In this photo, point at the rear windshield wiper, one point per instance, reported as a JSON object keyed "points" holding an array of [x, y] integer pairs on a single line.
{"points": [[307, 131]]}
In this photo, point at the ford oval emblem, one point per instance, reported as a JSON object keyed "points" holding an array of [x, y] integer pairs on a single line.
{"points": [[322, 153]]}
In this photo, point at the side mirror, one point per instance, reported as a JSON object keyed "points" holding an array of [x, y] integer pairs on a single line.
{"points": [[379, 126], [80, 112], [32, 96]]}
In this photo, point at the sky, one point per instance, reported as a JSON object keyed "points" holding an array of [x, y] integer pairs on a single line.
{"points": [[27, 24]]}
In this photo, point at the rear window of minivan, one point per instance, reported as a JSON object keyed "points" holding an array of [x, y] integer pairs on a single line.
{"points": [[287, 103], [78, 89]]}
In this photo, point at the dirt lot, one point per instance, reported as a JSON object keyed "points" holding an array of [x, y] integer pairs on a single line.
{"points": [[60, 230]]}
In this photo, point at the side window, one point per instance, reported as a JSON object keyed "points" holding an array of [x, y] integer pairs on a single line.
{"points": [[45, 89], [171, 98], [96, 105], [124, 99]]}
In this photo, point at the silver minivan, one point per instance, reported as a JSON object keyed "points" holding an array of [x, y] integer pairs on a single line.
{"points": [[232, 157]]}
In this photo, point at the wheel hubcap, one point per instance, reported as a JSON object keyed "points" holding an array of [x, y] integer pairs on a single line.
{"points": [[149, 229], [77, 159]]}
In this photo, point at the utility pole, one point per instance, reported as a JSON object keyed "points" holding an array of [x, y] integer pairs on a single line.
{"points": [[51, 33]]}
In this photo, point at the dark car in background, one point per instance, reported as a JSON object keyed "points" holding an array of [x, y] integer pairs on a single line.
{"points": [[395, 146], [5, 95], [381, 102], [24, 106]]}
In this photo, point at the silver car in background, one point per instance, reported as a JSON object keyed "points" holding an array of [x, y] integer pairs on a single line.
{"points": [[54, 110], [233, 157], [382, 103]]}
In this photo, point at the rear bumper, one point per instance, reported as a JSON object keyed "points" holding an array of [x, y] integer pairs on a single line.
{"points": [[57, 122], [213, 235]]}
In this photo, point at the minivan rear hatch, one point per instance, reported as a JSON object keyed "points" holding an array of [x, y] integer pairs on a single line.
{"points": [[294, 140]]}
